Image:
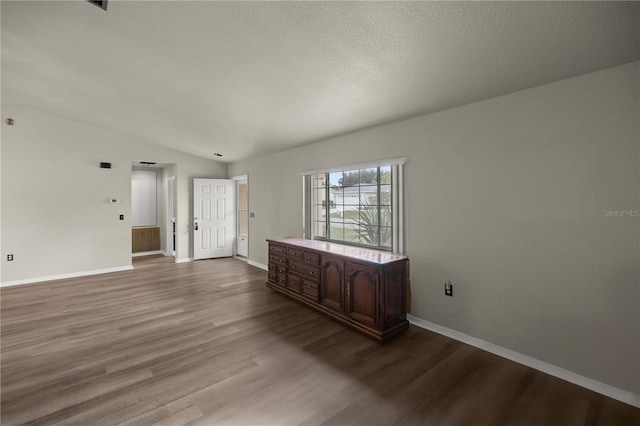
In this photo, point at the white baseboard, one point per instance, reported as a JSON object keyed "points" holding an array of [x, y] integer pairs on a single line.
{"points": [[148, 253], [63, 276], [553, 370], [184, 260], [258, 265]]}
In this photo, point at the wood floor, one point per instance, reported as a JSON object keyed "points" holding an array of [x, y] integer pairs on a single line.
{"points": [[205, 343]]}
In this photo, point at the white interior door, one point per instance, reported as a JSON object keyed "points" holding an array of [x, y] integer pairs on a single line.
{"points": [[214, 222]]}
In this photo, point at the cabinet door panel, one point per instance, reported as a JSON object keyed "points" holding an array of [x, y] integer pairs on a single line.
{"points": [[395, 295], [362, 293], [332, 284]]}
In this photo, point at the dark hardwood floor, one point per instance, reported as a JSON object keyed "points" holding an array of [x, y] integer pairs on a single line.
{"points": [[206, 343]]}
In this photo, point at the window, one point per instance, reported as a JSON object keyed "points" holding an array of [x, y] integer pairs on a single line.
{"points": [[359, 205]]}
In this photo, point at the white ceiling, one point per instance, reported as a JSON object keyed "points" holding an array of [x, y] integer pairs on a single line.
{"points": [[248, 78]]}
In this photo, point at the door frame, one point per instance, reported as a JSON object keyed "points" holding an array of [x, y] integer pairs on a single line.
{"points": [[171, 242], [238, 179]]}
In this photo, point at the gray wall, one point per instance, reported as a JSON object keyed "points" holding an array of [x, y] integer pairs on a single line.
{"points": [[55, 215], [507, 198]]}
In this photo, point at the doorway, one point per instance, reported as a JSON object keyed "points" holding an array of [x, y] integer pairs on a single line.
{"points": [[145, 213], [154, 213], [242, 217]]}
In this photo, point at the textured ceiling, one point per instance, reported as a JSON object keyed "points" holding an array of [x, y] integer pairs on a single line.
{"points": [[248, 78]]}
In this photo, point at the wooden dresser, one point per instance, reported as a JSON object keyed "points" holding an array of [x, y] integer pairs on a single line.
{"points": [[362, 288]]}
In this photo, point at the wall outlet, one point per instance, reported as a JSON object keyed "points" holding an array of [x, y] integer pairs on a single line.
{"points": [[448, 288], [10, 258], [121, 217]]}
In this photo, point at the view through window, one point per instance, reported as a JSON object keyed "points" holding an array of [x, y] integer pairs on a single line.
{"points": [[354, 207]]}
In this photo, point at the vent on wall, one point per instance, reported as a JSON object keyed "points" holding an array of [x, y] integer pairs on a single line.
{"points": [[100, 3]]}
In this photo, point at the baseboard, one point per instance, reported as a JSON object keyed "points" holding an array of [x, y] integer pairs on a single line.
{"points": [[184, 260], [64, 276], [258, 265], [553, 370], [148, 253]]}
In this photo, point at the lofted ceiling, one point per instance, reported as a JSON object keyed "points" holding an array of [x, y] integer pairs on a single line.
{"points": [[248, 78]]}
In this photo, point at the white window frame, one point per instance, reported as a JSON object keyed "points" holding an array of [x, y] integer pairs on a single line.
{"points": [[397, 201]]}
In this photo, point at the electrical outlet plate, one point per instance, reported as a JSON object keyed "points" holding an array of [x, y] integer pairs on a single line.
{"points": [[9, 257]]}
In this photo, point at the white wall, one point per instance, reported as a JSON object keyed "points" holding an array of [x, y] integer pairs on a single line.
{"points": [[55, 216], [507, 198], [144, 198]]}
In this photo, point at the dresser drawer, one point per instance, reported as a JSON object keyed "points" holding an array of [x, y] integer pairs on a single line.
{"points": [[311, 258], [282, 280], [272, 275], [310, 290], [310, 272], [278, 249], [294, 283], [295, 254], [277, 260]]}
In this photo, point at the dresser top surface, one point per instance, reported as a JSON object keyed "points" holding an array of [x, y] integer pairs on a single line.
{"points": [[361, 253]]}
